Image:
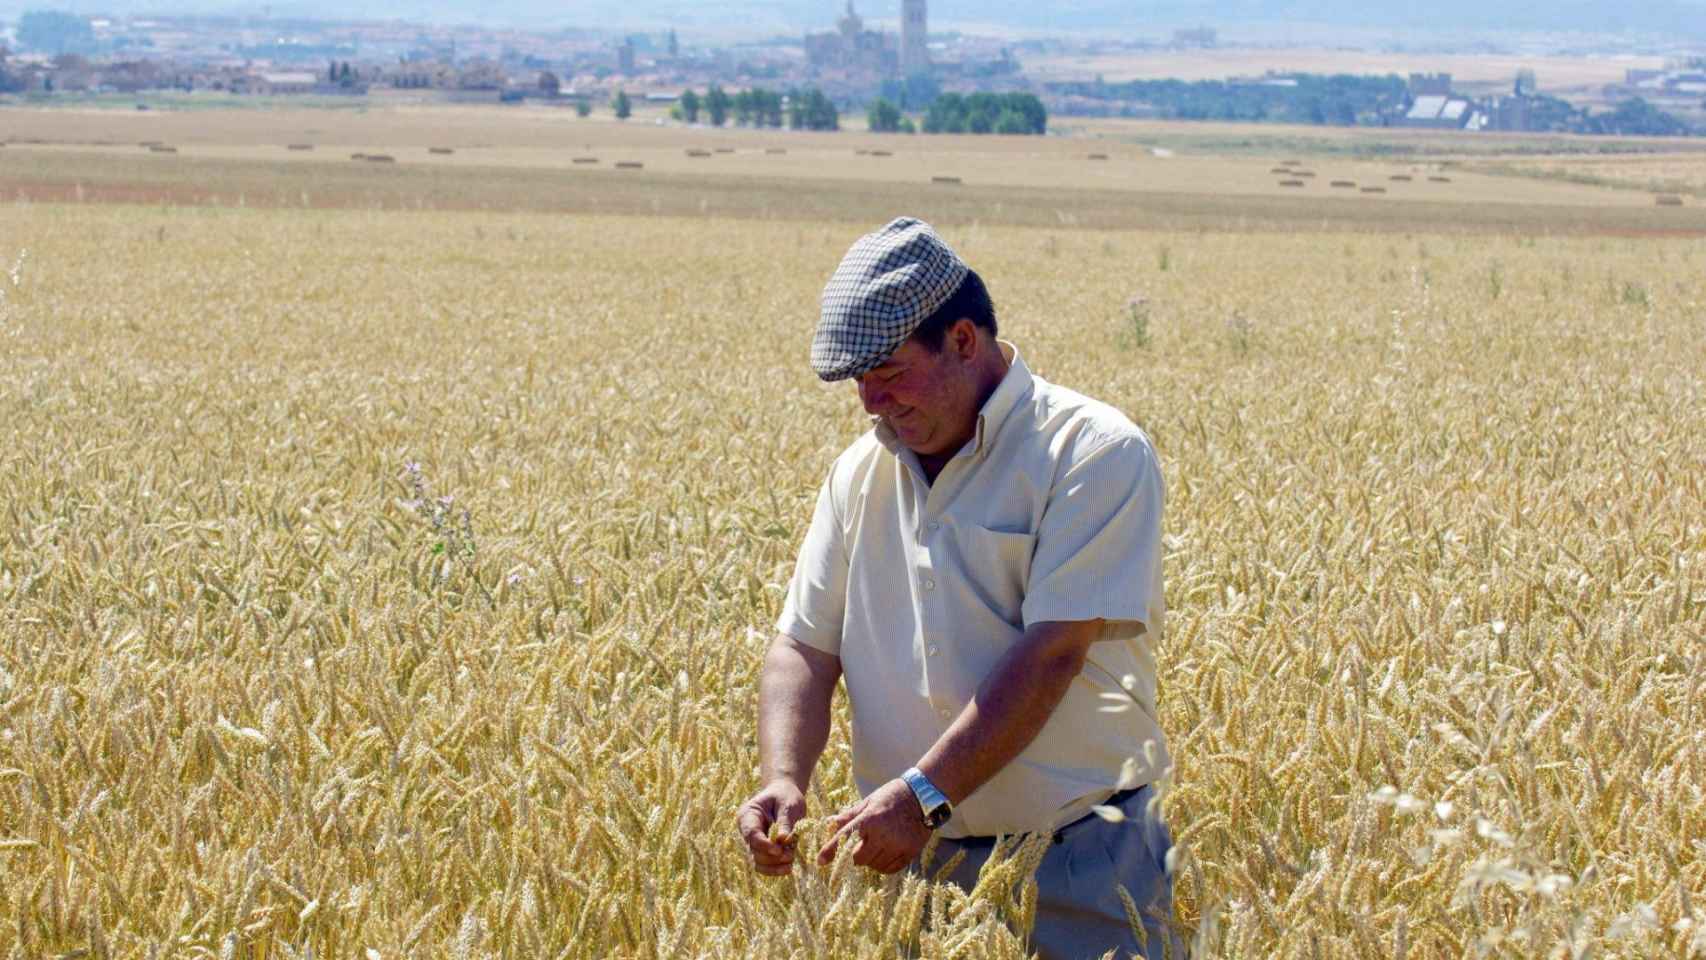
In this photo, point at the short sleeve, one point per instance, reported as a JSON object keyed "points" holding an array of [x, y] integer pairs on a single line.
{"points": [[1098, 551], [817, 596]]}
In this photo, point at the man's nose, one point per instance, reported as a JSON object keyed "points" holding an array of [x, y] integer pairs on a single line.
{"points": [[872, 395]]}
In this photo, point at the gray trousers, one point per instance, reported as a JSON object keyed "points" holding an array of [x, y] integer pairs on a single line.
{"points": [[1079, 911]]}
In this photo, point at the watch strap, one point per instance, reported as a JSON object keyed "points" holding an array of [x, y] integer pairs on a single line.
{"points": [[933, 802]]}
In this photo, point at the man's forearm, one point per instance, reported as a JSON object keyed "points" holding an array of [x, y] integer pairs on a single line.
{"points": [[794, 695], [1010, 708]]}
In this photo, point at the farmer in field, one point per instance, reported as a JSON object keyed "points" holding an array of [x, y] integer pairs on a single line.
{"points": [[984, 569]]}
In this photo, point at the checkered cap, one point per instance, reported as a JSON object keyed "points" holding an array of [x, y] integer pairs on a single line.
{"points": [[889, 282]]}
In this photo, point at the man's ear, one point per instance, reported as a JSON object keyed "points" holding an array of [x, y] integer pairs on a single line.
{"points": [[963, 337]]}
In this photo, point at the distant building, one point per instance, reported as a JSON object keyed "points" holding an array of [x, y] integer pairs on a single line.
{"points": [[1204, 37], [276, 84], [914, 38], [1435, 112], [625, 58], [852, 47], [1430, 84]]}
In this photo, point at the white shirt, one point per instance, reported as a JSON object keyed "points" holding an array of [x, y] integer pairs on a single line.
{"points": [[1052, 512]]}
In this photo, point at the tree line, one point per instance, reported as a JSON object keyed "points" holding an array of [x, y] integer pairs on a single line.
{"points": [[757, 107], [1336, 100]]}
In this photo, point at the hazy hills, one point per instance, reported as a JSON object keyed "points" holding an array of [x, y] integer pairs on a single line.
{"points": [[1673, 18]]}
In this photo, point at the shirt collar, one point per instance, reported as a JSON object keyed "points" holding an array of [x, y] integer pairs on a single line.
{"points": [[1015, 386]]}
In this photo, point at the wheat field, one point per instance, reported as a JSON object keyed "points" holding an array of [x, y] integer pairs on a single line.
{"points": [[393, 584]]}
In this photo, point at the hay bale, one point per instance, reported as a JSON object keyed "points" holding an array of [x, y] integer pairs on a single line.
{"points": [[1439, 179], [1401, 177], [381, 158], [440, 150], [698, 153], [1373, 189], [585, 160], [358, 156], [1282, 171], [725, 149], [944, 179], [882, 153], [774, 150], [1098, 156], [1668, 200], [162, 148], [1291, 183], [1344, 183], [860, 153], [300, 146], [629, 165], [1303, 173], [144, 144]]}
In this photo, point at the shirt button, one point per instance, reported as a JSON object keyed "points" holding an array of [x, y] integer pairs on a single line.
{"points": [[929, 584]]}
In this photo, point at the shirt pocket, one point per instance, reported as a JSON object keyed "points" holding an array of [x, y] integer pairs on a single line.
{"points": [[996, 565]]}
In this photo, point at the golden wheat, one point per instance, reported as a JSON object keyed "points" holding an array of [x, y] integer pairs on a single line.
{"points": [[1433, 675]]}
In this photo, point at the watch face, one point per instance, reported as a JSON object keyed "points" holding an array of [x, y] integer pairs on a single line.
{"points": [[938, 815]]}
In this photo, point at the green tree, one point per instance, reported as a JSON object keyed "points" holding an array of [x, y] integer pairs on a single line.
{"points": [[1010, 121], [767, 108], [811, 110], [549, 84], [717, 105], [621, 105], [883, 116], [742, 105], [583, 107], [690, 105]]}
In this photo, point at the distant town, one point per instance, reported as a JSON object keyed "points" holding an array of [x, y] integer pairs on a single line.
{"points": [[850, 65]]}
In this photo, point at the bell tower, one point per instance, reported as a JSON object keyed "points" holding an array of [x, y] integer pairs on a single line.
{"points": [[914, 51]]}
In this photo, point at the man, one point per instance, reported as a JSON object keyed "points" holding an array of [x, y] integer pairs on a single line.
{"points": [[984, 569]]}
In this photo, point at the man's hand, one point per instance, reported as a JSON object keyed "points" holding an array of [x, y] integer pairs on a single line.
{"points": [[780, 805], [889, 825]]}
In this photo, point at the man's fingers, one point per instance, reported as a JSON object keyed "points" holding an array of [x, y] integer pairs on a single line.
{"points": [[784, 831], [754, 825], [848, 833]]}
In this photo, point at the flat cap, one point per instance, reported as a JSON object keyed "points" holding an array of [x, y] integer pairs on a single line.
{"points": [[889, 282]]}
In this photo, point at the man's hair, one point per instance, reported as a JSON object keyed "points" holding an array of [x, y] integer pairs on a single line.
{"points": [[970, 300]]}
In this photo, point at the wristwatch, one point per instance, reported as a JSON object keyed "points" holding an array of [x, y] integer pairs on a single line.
{"points": [[932, 801]]}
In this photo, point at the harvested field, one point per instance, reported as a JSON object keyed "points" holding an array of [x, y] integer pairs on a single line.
{"points": [[45, 173]]}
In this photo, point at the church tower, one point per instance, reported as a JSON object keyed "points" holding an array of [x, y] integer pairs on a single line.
{"points": [[914, 54]]}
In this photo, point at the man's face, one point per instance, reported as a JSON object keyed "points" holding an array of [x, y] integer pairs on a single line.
{"points": [[928, 399]]}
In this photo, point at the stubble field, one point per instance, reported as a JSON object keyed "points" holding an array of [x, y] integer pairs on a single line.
{"points": [[393, 583]]}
